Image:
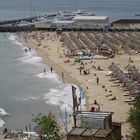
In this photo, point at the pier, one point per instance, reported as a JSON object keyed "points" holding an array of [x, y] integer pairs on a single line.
{"points": [[29, 24], [20, 29], [29, 19]]}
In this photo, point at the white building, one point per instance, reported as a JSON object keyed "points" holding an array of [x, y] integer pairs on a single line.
{"points": [[90, 21], [62, 23]]}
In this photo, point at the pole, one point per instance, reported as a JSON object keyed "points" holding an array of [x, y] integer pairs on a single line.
{"points": [[61, 116], [74, 103]]}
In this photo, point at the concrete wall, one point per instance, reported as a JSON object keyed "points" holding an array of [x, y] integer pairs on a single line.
{"points": [[134, 26], [90, 23], [42, 25], [127, 25], [121, 25], [61, 25]]}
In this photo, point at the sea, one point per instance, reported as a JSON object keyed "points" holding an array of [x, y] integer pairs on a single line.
{"points": [[25, 91]]}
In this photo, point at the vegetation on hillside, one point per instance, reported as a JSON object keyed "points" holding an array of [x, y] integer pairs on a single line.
{"points": [[134, 119]]}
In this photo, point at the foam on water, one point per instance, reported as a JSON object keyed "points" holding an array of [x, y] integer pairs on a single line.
{"points": [[2, 123], [14, 39], [35, 60], [28, 98], [29, 56], [62, 97], [49, 75], [2, 113]]}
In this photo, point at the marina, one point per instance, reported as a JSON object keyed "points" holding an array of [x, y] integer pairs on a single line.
{"points": [[69, 21]]}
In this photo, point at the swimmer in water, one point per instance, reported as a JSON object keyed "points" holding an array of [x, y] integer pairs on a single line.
{"points": [[44, 70], [26, 50]]}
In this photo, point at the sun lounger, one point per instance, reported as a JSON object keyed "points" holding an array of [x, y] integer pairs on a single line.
{"points": [[108, 95], [131, 103], [116, 85], [112, 98], [90, 80], [130, 100], [130, 94], [109, 73], [126, 94]]}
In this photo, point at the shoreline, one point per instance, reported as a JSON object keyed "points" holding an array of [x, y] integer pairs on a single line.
{"points": [[41, 52], [72, 76]]}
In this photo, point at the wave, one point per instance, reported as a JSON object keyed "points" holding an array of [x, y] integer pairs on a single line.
{"points": [[30, 59], [2, 123], [28, 98], [14, 39], [62, 97], [29, 55], [49, 75], [2, 113]]}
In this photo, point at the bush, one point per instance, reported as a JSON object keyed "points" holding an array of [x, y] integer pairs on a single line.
{"points": [[134, 119], [48, 128]]}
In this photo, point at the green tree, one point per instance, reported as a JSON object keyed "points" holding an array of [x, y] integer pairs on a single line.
{"points": [[134, 119], [47, 127]]}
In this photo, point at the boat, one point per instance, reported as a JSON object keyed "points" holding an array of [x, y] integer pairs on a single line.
{"points": [[83, 13]]}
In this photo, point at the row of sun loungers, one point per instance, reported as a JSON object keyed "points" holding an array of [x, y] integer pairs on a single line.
{"points": [[76, 41], [88, 43], [111, 40], [134, 73], [68, 42], [129, 83]]}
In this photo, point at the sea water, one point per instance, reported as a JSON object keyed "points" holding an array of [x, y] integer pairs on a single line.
{"points": [[25, 90], [115, 9]]}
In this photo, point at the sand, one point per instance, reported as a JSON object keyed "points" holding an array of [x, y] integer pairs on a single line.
{"points": [[47, 49]]}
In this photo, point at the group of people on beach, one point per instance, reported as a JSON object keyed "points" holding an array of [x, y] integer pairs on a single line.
{"points": [[51, 69], [83, 70], [26, 49]]}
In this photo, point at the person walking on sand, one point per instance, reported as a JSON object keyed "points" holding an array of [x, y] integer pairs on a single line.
{"points": [[63, 76], [51, 69], [97, 80], [29, 48], [80, 70], [26, 50]]}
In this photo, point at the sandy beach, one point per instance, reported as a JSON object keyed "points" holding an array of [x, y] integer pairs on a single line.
{"points": [[45, 44]]}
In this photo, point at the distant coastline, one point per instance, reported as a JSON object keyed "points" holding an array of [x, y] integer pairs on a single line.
{"points": [[137, 14]]}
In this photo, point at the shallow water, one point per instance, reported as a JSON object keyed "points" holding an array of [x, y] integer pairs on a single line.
{"points": [[10, 9], [25, 90]]}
